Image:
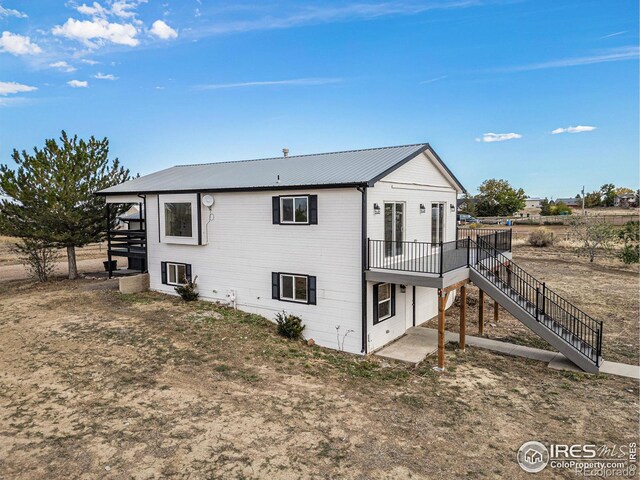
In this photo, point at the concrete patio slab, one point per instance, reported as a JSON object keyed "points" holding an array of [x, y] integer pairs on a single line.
{"points": [[419, 342], [411, 349]]}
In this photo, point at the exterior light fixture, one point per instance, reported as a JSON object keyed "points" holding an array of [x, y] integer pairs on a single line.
{"points": [[452, 207], [376, 209], [423, 209]]}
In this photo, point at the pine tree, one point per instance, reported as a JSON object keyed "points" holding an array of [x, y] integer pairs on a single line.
{"points": [[50, 193]]}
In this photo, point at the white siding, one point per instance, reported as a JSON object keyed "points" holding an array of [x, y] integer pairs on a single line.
{"points": [[244, 247], [417, 182]]}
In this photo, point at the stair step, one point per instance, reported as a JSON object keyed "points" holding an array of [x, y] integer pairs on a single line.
{"points": [[549, 322]]}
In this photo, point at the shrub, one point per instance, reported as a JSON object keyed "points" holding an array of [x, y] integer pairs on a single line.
{"points": [[630, 235], [188, 291], [38, 258], [540, 238], [289, 326], [630, 254]]}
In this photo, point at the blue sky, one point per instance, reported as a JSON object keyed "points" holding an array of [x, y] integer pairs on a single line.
{"points": [[485, 82]]}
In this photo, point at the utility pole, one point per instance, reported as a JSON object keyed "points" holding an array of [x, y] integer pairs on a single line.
{"points": [[583, 212]]}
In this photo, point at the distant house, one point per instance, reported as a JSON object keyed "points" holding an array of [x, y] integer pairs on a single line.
{"points": [[626, 200], [533, 202], [570, 202]]}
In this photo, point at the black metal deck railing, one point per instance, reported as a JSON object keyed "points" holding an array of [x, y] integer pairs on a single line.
{"points": [[546, 306], [418, 257], [497, 238], [432, 258]]}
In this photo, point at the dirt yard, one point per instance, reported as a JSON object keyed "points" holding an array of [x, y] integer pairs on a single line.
{"points": [[94, 384], [606, 290]]}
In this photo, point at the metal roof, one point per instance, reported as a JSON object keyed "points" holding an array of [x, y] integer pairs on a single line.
{"points": [[348, 168]]}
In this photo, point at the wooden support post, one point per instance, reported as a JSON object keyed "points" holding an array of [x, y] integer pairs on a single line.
{"points": [[481, 312], [496, 309], [463, 315], [442, 301]]}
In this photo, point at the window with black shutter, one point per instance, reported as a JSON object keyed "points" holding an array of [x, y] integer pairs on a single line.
{"points": [[293, 287], [384, 302], [175, 273], [295, 210]]}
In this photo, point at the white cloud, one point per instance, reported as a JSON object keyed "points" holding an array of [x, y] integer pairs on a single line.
{"points": [[577, 129], [105, 76], [10, 12], [613, 35], [98, 29], [295, 81], [123, 9], [498, 137], [435, 79], [611, 55], [62, 65], [8, 88], [88, 61], [18, 44], [78, 83], [95, 10], [161, 30]]}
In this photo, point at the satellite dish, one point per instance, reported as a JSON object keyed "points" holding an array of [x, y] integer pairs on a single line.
{"points": [[208, 201]]}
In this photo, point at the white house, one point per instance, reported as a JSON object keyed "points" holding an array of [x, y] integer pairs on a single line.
{"points": [[361, 244], [290, 233]]}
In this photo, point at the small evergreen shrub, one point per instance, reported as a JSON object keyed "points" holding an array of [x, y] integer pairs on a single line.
{"points": [[630, 235], [540, 238], [289, 326], [188, 291], [630, 254]]}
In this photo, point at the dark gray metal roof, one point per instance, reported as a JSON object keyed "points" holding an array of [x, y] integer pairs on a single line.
{"points": [[349, 168]]}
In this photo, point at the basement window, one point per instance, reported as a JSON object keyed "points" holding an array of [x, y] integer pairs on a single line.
{"points": [[293, 288]]}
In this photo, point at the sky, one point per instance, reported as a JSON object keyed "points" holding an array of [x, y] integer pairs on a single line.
{"points": [[542, 93]]}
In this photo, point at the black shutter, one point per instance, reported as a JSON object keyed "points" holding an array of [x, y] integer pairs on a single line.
{"points": [[313, 209], [375, 304], [275, 285], [275, 205], [311, 287], [187, 272], [392, 286], [163, 269]]}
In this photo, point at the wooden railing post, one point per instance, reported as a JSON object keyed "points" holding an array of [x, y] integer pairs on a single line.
{"points": [[481, 312]]}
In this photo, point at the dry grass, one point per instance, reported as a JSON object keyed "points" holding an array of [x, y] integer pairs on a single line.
{"points": [[606, 290], [8, 257], [94, 384]]}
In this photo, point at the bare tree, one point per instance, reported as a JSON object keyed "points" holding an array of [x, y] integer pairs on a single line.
{"points": [[594, 236], [38, 258]]}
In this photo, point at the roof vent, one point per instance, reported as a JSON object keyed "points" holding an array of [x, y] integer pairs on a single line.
{"points": [[285, 151]]}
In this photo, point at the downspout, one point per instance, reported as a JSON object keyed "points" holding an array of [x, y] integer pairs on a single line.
{"points": [[144, 226], [364, 242]]}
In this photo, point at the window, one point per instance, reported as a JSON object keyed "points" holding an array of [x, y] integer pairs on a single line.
{"points": [[175, 273], [384, 302], [393, 228], [295, 209], [293, 287], [178, 220], [437, 222]]}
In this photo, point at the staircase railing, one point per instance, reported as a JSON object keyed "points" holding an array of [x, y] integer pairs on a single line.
{"points": [[543, 303]]}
